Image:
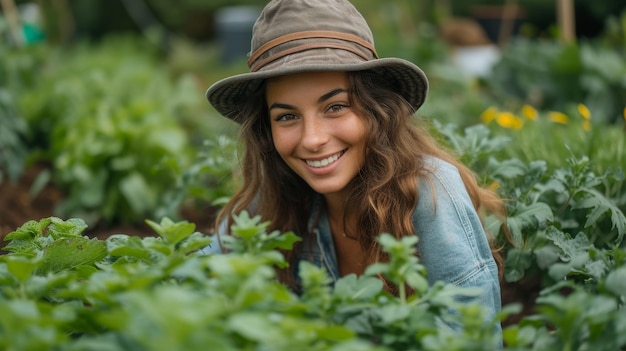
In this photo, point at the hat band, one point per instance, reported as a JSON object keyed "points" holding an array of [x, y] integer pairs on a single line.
{"points": [[255, 66]]}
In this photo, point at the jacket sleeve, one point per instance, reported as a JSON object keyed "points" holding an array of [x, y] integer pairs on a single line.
{"points": [[453, 245]]}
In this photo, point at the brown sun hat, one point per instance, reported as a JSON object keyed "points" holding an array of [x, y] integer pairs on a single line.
{"points": [[292, 36]]}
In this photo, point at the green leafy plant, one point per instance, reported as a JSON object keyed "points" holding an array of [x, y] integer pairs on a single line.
{"points": [[546, 207], [105, 117], [61, 290], [18, 67], [12, 147], [553, 75], [208, 182]]}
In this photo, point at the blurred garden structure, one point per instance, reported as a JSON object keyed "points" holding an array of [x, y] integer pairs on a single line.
{"points": [[103, 118]]}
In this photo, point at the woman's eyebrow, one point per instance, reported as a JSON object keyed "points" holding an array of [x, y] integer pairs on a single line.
{"points": [[281, 105], [331, 94]]}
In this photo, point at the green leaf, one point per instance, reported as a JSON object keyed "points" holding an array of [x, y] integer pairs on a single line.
{"points": [[517, 335], [335, 333], [137, 192], [569, 246], [507, 169], [72, 227], [547, 255], [315, 280], [376, 268], [69, 253], [255, 327], [246, 227], [195, 242], [600, 205], [21, 267], [559, 271], [416, 281], [29, 230], [121, 245], [172, 232], [357, 288], [392, 313], [282, 241], [524, 216], [616, 281], [517, 261]]}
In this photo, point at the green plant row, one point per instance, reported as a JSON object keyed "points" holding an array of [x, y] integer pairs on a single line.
{"points": [[17, 69], [558, 214], [108, 119], [555, 76], [64, 291]]}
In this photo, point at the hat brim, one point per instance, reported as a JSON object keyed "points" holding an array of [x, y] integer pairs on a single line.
{"points": [[227, 95]]}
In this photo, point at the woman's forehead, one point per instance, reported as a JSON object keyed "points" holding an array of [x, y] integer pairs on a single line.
{"points": [[305, 83]]}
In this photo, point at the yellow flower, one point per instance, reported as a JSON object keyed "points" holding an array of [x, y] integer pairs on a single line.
{"points": [[488, 115], [529, 112], [624, 113], [494, 186], [558, 117], [584, 111], [509, 120], [587, 125]]}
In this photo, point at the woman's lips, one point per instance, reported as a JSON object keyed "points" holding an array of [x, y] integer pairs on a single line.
{"points": [[325, 161]]}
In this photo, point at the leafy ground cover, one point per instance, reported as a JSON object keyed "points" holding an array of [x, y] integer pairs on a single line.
{"points": [[62, 290]]}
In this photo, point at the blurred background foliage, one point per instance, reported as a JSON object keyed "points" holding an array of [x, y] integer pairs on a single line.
{"points": [[108, 94], [196, 18]]}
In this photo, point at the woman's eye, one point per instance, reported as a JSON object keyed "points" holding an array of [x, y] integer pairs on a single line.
{"points": [[336, 107], [285, 117]]}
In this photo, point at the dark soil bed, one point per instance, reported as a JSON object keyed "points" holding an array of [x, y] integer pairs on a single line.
{"points": [[18, 205]]}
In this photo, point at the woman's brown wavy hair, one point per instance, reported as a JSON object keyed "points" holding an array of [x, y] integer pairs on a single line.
{"points": [[382, 197]]}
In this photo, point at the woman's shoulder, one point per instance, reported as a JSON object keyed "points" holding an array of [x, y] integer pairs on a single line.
{"points": [[439, 175], [450, 230], [436, 165]]}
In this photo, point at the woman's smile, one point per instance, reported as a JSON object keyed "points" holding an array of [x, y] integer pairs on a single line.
{"points": [[325, 161]]}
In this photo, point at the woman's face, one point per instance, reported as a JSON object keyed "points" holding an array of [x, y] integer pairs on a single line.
{"points": [[315, 129]]}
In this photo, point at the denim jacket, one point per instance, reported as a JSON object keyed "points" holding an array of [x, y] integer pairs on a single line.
{"points": [[452, 243]]}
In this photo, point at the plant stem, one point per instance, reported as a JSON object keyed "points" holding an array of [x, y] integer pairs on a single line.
{"points": [[402, 293], [565, 204]]}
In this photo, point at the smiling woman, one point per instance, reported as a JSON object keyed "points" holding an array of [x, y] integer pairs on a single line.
{"points": [[317, 132], [333, 153]]}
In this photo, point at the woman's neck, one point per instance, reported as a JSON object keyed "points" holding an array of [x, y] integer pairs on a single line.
{"points": [[335, 206], [335, 210]]}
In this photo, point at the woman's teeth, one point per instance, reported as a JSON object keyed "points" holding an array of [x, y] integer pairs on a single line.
{"points": [[325, 162]]}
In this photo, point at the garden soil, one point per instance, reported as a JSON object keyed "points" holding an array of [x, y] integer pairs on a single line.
{"points": [[17, 206]]}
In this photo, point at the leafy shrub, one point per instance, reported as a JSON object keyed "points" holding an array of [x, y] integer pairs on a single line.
{"points": [[12, 148], [18, 67], [564, 221], [554, 76], [62, 290], [209, 181], [106, 118], [552, 142]]}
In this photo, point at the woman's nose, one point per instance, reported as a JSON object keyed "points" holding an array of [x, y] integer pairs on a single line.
{"points": [[314, 134]]}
